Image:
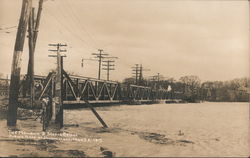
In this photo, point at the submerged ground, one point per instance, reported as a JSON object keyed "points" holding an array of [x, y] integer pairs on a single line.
{"points": [[200, 129]]}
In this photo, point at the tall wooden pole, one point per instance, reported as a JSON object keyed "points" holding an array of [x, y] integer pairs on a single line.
{"points": [[58, 90], [33, 33], [60, 113], [57, 106], [96, 114], [35, 29], [16, 63], [37, 24], [108, 68], [136, 69], [140, 74], [31, 55], [100, 62], [100, 56]]}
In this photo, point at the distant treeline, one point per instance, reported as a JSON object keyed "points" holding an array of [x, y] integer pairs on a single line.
{"points": [[191, 89]]}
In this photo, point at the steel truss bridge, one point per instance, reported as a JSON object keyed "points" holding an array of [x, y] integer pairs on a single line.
{"points": [[78, 89]]}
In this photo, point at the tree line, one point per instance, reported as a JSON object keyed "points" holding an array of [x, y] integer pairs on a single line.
{"points": [[191, 89]]}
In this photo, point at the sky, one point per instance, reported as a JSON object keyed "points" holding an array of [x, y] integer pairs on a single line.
{"points": [[175, 38]]}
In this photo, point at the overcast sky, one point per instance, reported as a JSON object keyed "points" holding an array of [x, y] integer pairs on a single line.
{"points": [[209, 39]]}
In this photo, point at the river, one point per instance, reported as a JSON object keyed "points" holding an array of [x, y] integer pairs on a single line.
{"points": [[194, 129]]}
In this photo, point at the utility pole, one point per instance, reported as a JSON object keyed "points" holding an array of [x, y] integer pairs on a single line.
{"points": [[140, 75], [108, 67], [37, 21], [30, 77], [141, 69], [100, 56], [16, 63], [157, 79], [57, 105], [136, 71], [33, 33]]}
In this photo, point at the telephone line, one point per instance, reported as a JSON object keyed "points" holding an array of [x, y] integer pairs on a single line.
{"points": [[68, 29], [74, 21], [75, 16]]}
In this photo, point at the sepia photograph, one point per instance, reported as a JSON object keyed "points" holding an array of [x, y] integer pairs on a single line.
{"points": [[124, 78]]}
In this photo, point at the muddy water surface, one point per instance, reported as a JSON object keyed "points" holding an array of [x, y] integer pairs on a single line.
{"points": [[205, 129]]}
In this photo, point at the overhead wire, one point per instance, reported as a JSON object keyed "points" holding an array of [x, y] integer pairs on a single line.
{"points": [[75, 15], [72, 25], [68, 28], [59, 27]]}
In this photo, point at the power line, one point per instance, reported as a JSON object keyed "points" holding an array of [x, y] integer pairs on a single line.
{"points": [[75, 15], [74, 22], [68, 28], [59, 26], [7, 28]]}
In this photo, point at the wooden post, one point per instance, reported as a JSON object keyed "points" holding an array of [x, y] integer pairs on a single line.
{"points": [[140, 75], [57, 106], [100, 63], [16, 63], [59, 92], [108, 67], [35, 29], [33, 33], [58, 86], [136, 69], [96, 114], [31, 56], [37, 21]]}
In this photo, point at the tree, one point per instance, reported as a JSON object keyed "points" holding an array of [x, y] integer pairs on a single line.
{"points": [[129, 80], [191, 87]]}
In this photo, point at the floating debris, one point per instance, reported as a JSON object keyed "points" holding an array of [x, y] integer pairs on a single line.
{"points": [[180, 133], [106, 152]]}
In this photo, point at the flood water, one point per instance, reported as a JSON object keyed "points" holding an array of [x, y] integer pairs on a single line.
{"points": [[214, 129], [195, 130]]}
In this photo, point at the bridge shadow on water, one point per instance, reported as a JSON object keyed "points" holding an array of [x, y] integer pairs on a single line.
{"points": [[83, 105]]}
